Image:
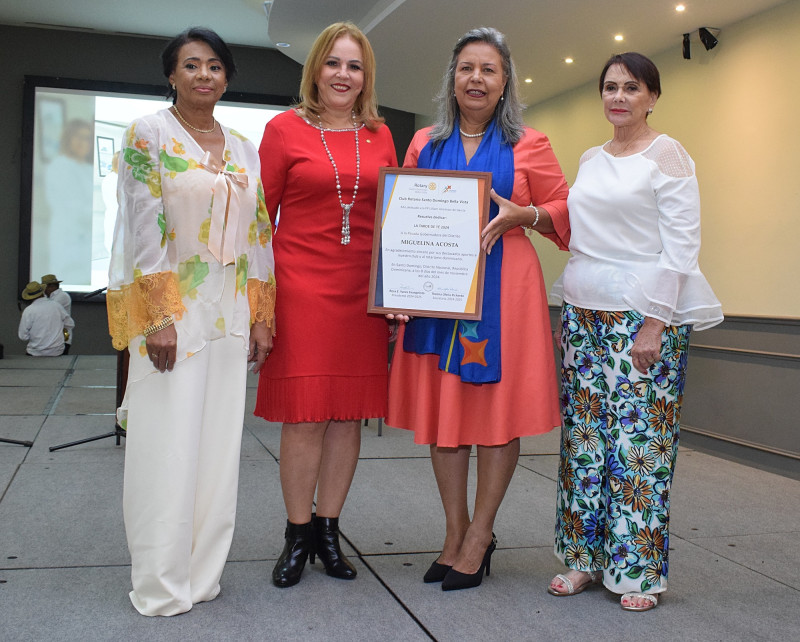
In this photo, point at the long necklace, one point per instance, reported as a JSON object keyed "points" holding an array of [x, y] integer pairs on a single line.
{"points": [[346, 207], [190, 126]]}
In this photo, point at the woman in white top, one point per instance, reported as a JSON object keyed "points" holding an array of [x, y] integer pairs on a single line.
{"points": [[632, 291], [191, 296]]}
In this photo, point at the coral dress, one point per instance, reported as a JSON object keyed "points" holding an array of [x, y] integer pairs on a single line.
{"points": [[439, 407], [329, 359]]}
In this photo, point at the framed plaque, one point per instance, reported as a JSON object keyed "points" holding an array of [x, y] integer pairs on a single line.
{"points": [[426, 253]]}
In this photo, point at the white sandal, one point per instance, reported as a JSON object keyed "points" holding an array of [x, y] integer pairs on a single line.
{"points": [[594, 577], [652, 599]]}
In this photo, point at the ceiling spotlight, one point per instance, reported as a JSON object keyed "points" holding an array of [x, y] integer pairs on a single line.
{"points": [[707, 38], [282, 45], [687, 48], [619, 37], [569, 61], [529, 80], [680, 7]]}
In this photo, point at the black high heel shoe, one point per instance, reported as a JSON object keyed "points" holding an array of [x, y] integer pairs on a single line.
{"points": [[299, 545], [454, 580], [436, 573], [326, 547]]}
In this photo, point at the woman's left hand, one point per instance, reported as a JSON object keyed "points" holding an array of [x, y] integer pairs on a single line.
{"points": [[510, 215], [260, 344], [646, 349]]}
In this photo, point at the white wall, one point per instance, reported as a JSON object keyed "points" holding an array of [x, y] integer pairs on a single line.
{"points": [[735, 109]]}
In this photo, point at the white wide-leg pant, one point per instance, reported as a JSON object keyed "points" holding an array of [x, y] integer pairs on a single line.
{"points": [[182, 453]]}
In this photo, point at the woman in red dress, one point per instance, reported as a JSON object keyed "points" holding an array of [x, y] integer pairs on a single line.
{"points": [[449, 384], [328, 369]]}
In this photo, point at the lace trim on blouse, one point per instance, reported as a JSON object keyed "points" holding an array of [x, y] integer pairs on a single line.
{"points": [[261, 297], [146, 301], [672, 159]]}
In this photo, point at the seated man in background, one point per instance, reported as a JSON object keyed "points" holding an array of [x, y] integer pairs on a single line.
{"points": [[55, 293], [43, 323]]}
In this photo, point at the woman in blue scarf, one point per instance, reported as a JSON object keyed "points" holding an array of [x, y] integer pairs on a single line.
{"points": [[499, 383]]}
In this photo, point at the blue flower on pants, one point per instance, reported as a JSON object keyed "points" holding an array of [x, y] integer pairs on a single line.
{"points": [[570, 321], [631, 417], [661, 493], [595, 528], [623, 555], [588, 481], [666, 374], [614, 467], [624, 387], [588, 365]]}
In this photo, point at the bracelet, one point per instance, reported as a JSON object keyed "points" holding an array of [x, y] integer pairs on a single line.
{"points": [[535, 221], [157, 327]]}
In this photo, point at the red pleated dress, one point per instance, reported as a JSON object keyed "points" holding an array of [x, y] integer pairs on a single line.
{"points": [[329, 358], [438, 406]]}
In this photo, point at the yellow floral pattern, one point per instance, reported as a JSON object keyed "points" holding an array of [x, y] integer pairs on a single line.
{"points": [[162, 241]]}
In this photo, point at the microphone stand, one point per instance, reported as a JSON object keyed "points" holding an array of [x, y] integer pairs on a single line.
{"points": [[122, 381], [16, 442], [95, 293]]}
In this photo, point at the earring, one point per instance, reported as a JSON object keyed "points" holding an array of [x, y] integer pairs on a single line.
{"points": [[173, 87], [502, 97], [650, 111]]}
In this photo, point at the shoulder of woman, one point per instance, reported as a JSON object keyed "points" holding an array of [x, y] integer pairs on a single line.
{"points": [[664, 141], [238, 139], [532, 141], [151, 121], [423, 134], [146, 130], [670, 157], [382, 129], [590, 153], [285, 118], [421, 138], [666, 144]]}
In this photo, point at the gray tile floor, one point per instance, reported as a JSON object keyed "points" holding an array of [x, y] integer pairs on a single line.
{"points": [[64, 566]]}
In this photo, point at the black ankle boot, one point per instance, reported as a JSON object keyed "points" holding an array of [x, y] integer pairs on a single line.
{"points": [[326, 546], [299, 544]]}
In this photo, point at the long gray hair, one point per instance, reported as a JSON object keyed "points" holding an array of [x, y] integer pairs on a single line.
{"points": [[508, 112]]}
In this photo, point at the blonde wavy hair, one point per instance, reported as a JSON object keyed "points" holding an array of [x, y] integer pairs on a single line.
{"points": [[366, 105]]}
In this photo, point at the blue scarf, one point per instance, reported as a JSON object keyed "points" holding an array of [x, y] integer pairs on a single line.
{"points": [[470, 349]]}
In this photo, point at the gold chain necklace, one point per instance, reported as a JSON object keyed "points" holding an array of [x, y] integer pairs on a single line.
{"points": [[190, 126], [625, 149]]}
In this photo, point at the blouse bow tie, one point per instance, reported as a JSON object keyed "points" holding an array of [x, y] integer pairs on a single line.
{"points": [[224, 211]]}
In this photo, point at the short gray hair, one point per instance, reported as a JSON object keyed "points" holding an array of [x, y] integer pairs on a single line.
{"points": [[508, 112]]}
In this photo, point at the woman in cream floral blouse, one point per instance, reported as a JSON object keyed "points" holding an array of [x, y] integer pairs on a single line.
{"points": [[191, 295]]}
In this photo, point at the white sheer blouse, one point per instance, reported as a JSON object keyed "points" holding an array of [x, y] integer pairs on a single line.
{"points": [[635, 224]]}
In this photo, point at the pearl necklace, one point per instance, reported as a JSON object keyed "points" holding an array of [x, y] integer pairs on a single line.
{"points": [[190, 126], [478, 135], [345, 207]]}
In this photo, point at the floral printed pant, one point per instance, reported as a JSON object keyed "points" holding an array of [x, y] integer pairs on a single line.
{"points": [[619, 441]]}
